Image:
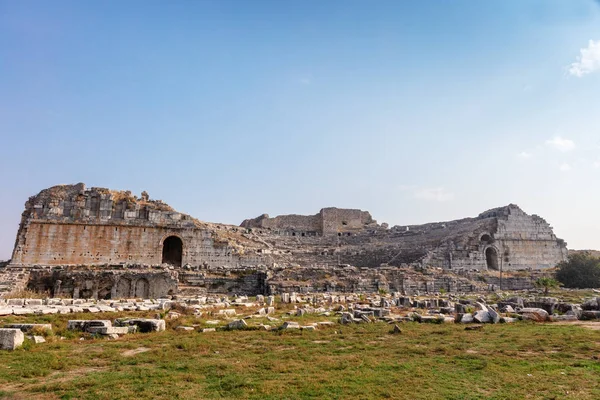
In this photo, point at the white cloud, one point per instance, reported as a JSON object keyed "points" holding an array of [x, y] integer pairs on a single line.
{"points": [[305, 81], [588, 61], [597, 164], [524, 155], [561, 144], [433, 194], [565, 167]]}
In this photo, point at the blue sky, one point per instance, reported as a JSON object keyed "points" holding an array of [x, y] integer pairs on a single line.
{"points": [[416, 111]]}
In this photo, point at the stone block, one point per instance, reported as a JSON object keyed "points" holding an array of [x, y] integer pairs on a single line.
{"points": [[144, 325], [290, 325], [109, 330], [534, 314], [83, 325], [467, 319], [237, 324], [30, 327], [185, 328], [23, 311], [494, 316], [11, 339]]}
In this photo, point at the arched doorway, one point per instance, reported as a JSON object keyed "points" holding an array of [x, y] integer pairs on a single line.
{"points": [[491, 258], [172, 252]]}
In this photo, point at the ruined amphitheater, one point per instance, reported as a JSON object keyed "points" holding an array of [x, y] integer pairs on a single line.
{"points": [[99, 243]]}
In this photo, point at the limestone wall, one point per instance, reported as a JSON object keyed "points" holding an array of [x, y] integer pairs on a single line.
{"points": [[337, 220], [328, 221], [293, 222], [51, 243]]}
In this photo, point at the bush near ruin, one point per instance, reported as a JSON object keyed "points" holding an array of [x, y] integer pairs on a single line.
{"points": [[581, 270]]}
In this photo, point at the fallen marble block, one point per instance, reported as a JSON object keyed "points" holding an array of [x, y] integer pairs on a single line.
{"points": [[11, 339], [84, 325]]}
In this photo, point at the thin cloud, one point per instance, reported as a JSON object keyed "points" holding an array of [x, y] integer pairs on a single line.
{"points": [[434, 194], [564, 167], [588, 60], [561, 144], [524, 155]]}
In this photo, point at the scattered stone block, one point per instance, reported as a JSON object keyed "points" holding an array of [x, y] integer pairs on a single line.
{"points": [[482, 316], [11, 339], [467, 319], [494, 316], [38, 339], [290, 325], [590, 314], [144, 325], [185, 328], [109, 330], [84, 325], [237, 324], [534, 314], [30, 327], [23, 311]]}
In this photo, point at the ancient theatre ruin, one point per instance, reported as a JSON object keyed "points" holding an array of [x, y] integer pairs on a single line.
{"points": [[96, 242]]}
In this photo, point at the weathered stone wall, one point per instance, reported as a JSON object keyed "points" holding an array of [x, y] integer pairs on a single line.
{"points": [[69, 225], [107, 283], [297, 223], [51, 243], [329, 221], [337, 220]]}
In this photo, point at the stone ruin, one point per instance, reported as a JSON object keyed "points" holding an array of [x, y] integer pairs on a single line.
{"points": [[99, 243]]}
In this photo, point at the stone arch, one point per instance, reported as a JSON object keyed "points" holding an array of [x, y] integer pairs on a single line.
{"points": [[172, 251], [142, 288], [491, 258]]}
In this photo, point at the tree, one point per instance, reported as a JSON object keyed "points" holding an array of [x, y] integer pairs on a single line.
{"points": [[581, 270], [547, 282]]}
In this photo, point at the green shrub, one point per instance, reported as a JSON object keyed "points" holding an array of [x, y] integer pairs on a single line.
{"points": [[581, 270]]}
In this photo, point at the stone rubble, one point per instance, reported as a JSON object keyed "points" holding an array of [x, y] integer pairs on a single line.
{"points": [[239, 312]]}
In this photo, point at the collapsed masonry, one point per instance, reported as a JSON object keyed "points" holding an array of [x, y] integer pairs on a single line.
{"points": [[96, 242]]}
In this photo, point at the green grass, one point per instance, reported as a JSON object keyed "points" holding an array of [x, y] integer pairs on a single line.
{"points": [[425, 361]]}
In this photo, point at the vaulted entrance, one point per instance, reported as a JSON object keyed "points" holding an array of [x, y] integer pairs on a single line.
{"points": [[172, 252], [491, 258]]}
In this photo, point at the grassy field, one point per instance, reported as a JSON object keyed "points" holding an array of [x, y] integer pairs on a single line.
{"points": [[515, 361]]}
